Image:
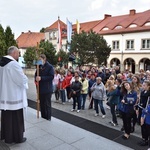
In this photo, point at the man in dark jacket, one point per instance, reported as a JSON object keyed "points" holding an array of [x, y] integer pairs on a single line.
{"points": [[45, 78]]}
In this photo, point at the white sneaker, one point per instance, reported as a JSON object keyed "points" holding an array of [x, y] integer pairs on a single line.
{"points": [[72, 109], [78, 111], [103, 116], [96, 115], [148, 149], [63, 103], [114, 124], [69, 100], [108, 107]]}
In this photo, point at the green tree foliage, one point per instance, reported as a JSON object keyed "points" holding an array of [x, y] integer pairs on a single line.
{"points": [[2, 42], [62, 57], [79, 46], [9, 37], [49, 51], [42, 30], [6, 40], [90, 48], [30, 56], [45, 47], [99, 47]]}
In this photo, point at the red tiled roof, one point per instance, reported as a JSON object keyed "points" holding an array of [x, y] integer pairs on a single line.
{"points": [[125, 21], [86, 26], [55, 25], [29, 39]]}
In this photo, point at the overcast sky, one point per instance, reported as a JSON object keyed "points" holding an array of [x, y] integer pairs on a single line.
{"points": [[24, 15]]}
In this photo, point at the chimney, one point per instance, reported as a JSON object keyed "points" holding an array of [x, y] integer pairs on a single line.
{"points": [[132, 12], [22, 32], [106, 16], [29, 31]]}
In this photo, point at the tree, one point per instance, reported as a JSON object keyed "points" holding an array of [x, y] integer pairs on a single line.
{"points": [[79, 46], [90, 48], [45, 47], [30, 56], [62, 57], [2, 42], [99, 47], [49, 51], [9, 38], [42, 30]]}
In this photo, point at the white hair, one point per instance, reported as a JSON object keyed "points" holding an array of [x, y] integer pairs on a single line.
{"points": [[11, 49]]}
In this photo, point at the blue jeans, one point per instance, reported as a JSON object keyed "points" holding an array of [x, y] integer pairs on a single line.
{"points": [[100, 103], [63, 95], [83, 100]]}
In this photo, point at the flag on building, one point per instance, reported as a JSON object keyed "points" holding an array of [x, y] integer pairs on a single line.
{"points": [[78, 26], [69, 31], [59, 36]]}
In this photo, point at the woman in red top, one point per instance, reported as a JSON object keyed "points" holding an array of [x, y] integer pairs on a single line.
{"points": [[68, 79]]}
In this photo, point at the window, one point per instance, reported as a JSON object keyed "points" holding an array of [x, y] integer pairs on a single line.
{"points": [[105, 28], [118, 27], [52, 35], [147, 24], [130, 44], [132, 26], [145, 43], [115, 45]]}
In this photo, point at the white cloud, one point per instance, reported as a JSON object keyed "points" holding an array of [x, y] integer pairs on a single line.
{"points": [[96, 4], [32, 15], [145, 1], [114, 3]]}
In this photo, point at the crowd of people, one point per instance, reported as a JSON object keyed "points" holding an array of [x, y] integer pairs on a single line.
{"points": [[126, 94]]}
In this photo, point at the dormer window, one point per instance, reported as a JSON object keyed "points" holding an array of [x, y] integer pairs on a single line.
{"points": [[147, 24], [132, 26], [118, 27], [105, 28]]}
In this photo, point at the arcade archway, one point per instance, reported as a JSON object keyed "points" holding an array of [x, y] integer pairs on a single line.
{"points": [[129, 64], [144, 64], [114, 62]]}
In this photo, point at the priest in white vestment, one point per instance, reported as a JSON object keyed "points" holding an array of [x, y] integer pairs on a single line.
{"points": [[13, 97]]}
